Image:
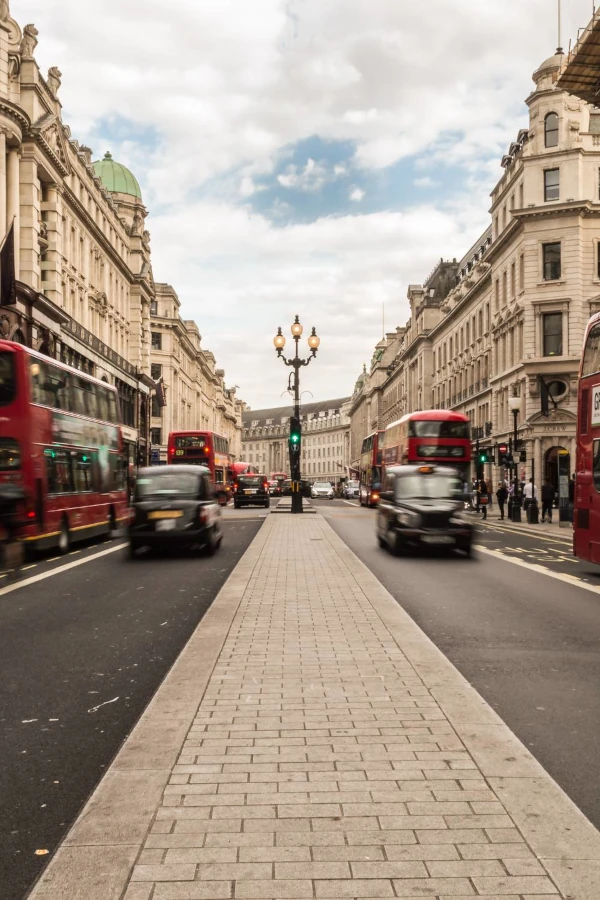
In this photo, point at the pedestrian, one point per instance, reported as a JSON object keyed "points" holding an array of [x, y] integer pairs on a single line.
{"points": [[483, 497], [501, 497], [490, 491], [547, 500], [530, 493], [571, 496]]}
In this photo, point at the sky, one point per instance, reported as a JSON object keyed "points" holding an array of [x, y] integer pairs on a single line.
{"points": [[310, 157]]}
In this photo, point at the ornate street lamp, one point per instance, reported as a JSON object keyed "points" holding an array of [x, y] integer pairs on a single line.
{"points": [[295, 435], [514, 404]]}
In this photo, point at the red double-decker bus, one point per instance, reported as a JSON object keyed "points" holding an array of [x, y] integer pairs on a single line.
{"points": [[370, 470], [586, 499], [434, 436], [203, 448], [60, 448]]}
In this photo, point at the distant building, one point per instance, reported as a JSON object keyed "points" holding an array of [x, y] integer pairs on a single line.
{"points": [[508, 319], [325, 439], [192, 393]]}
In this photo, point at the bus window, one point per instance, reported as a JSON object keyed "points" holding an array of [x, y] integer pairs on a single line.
{"points": [[82, 472], [591, 356], [10, 454], [113, 416], [80, 396], [102, 396], [58, 468], [219, 477], [57, 388], [7, 378], [596, 469]]}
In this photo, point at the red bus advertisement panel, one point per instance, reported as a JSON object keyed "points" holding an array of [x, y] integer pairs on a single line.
{"points": [[203, 448], [431, 436], [370, 469], [61, 444], [586, 494]]}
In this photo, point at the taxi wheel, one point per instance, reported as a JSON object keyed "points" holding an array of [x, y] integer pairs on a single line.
{"points": [[397, 544], [64, 538], [381, 541], [212, 543]]}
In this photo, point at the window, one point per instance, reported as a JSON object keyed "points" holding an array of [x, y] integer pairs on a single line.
{"points": [[58, 470], [551, 261], [154, 307], [591, 356], [522, 272], [156, 340], [81, 464], [552, 331], [156, 371], [156, 435], [513, 281], [156, 408], [551, 130], [551, 184]]}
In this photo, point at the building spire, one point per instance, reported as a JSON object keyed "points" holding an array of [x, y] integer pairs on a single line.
{"points": [[559, 49]]}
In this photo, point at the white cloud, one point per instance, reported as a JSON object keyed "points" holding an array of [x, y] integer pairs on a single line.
{"points": [[310, 178], [227, 85], [425, 182], [357, 194]]}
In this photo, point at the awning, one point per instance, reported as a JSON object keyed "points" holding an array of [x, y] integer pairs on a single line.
{"points": [[581, 74]]}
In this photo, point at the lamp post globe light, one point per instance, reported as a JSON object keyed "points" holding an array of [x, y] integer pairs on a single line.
{"points": [[295, 436], [514, 404]]}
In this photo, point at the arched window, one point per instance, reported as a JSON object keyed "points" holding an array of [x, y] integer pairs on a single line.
{"points": [[551, 130]]}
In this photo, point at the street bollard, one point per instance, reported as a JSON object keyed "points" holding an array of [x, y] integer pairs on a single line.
{"points": [[533, 513]]}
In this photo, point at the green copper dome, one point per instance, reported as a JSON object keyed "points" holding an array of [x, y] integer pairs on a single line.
{"points": [[116, 178]]}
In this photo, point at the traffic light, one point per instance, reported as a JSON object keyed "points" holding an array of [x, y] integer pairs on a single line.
{"points": [[483, 457], [295, 438], [502, 454]]}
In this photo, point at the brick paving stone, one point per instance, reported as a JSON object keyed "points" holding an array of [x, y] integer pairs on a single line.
{"points": [[318, 764]]}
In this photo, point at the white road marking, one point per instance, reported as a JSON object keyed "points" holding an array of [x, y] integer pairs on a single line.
{"points": [[72, 565], [351, 503], [560, 576]]}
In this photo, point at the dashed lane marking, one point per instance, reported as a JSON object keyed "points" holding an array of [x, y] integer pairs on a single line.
{"points": [[573, 580], [59, 569]]}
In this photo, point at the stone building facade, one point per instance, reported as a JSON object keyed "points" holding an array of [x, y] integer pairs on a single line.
{"points": [[192, 388], [325, 440], [508, 319], [84, 282]]}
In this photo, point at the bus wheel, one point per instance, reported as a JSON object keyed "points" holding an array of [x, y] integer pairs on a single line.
{"points": [[64, 538]]}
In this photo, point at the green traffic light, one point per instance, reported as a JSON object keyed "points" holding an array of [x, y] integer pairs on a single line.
{"points": [[294, 438]]}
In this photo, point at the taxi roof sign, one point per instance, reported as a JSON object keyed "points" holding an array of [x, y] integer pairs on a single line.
{"points": [[426, 470]]}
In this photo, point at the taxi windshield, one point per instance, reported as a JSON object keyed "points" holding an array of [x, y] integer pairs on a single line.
{"points": [[167, 484], [250, 480], [436, 486]]}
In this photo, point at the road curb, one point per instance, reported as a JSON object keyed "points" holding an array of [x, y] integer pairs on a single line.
{"points": [[97, 856], [558, 833]]}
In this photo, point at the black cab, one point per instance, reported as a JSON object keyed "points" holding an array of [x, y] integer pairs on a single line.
{"points": [[174, 506], [422, 506], [251, 489]]}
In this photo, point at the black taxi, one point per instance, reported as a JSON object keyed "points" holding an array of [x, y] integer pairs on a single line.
{"points": [[423, 506], [174, 506]]}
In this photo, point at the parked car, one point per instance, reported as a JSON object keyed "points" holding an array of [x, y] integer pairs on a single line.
{"points": [[322, 489], [351, 490], [174, 506], [422, 506], [251, 490]]}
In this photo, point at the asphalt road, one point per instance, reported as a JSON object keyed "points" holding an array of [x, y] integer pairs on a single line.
{"points": [[81, 654], [527, 641]]}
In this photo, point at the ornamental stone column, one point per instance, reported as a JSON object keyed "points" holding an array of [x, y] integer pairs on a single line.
{"points": [[13, 202], [3, 223]]}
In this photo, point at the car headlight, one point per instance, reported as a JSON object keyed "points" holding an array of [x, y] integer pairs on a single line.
{"points": [[409, 519]]}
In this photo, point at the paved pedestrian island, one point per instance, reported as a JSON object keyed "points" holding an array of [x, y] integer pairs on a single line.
{"points": [[311, 742]]}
